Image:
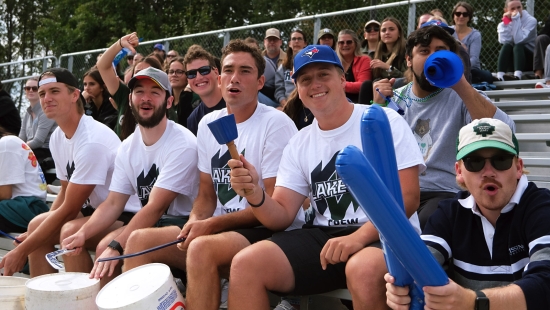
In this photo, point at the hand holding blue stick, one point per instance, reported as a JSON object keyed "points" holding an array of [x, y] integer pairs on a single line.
{"points": [[391, 104]]}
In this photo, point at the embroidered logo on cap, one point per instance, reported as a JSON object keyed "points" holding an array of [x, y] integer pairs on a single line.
{"points": [[311, 52], [484, 129]]}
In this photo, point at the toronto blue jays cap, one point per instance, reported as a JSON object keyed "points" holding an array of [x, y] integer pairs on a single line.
{"points": [[440, 24], [315, 54]]}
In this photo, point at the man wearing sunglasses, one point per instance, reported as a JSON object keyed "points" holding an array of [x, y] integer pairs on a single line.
{"points": [[9, 116], [37, 128], [202, 77], [435, 115], [496, 237]]}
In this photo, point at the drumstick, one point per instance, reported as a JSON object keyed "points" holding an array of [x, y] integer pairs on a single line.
{"points": [[9, 236], [158, 247]]}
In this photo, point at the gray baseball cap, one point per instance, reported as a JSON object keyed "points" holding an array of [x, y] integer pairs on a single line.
{"points": [[156, 75]]}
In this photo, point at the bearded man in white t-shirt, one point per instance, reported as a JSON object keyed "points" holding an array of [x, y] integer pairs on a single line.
{"points": [[84, 152], [158, 163], [263, 134], [338, 247]]}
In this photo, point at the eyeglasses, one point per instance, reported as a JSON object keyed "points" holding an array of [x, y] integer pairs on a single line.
{"points": [[465, 14], [191, 74], [297, 39], [170, 56], [501, 162], [372, 29], [177, 72], [347, 42], [34, 88], [130, 57]]}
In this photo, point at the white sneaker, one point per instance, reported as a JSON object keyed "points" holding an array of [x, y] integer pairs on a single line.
{"points": [[541, 85], [284, 305]]}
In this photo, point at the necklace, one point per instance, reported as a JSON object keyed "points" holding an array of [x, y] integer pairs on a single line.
{"points": [[305, 118], [408, 99]]}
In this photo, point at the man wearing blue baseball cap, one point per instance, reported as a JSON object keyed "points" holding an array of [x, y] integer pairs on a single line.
{"points": [[158, 49], [494, 235], [338, 247]]}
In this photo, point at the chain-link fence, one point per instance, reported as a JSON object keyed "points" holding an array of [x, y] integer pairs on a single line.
{"points": [[487, 15], [16, 73]]}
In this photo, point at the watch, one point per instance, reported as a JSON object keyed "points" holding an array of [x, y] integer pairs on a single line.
{"points": [[482, 302], [116, 246], [390, 69]]}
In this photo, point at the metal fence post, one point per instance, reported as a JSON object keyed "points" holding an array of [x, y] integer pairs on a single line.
{"points": [[411, 25], [166, 46], [530, 7], [70, 64], [316, 28], [226, 38]]}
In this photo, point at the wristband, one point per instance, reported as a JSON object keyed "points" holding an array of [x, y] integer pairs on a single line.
{"points": [[116, 246], [482, 302], [120, 43], [385, 104], [261, 202]]}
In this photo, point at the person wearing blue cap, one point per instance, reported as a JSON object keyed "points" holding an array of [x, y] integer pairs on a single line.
{"points": [[494, 235], [435, 115], [158, 49], [338, 246]]}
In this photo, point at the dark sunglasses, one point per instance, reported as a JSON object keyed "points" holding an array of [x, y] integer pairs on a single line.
{"points": [[500, 162], [191, 74], [372, 29], [130, 57], [34, 88], [170, 56], [465, 14], [347, 42]]}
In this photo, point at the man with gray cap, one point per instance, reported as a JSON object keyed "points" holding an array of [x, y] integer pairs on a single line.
{"points": [[272, 44], [495, 236], [158, 163], [84, 152]]}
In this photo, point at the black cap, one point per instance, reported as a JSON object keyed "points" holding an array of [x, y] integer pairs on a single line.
{"points": [[61, 75]]}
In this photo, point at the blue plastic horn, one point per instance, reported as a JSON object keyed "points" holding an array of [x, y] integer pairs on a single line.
{"points": [[443, 69], [377, 142], [388, 217], [225, 131]]}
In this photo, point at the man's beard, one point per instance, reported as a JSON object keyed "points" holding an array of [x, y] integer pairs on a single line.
{"points": [[153, 120], [423, 82]]}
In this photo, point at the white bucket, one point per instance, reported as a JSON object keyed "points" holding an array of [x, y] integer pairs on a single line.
{"points": [[68, 290], [146, 287], [12, 293]]}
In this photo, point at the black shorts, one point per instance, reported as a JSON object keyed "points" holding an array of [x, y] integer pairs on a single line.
{"points": [[255, 234], [9, 227], [303, 247], [125, 217]]}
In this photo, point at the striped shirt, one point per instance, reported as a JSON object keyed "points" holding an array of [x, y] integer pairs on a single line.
{"points": [[478, 255]]}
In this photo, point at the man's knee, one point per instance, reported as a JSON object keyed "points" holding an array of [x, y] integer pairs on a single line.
{"points": [[201, 249], [371, 269], [69, 229], [36, 221]]}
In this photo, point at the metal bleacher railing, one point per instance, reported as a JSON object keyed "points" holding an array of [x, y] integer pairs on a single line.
{"points": [[486, 17]]}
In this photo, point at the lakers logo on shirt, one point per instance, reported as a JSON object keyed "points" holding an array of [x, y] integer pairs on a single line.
{"points": [[145, 183], [220, 177], [329, 192]]}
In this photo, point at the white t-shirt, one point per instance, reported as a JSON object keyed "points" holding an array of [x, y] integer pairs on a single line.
{"points": [[170, 163], [88, 158], [308, 167], [262, 139], [20, 169]]}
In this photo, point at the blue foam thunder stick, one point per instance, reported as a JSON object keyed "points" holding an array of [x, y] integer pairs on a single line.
{"points": [[377, 143], [225, 131], [388, 217]]}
